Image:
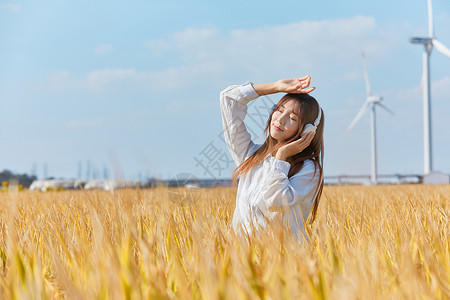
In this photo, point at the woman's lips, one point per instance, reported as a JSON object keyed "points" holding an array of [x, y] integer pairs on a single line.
{"points": [[277, 128]]}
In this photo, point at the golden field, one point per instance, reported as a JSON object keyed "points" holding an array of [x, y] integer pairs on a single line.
{"points": [[381, 242]]}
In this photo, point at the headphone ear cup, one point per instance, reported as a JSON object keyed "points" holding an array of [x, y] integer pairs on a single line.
{"points": [[309, 128]]}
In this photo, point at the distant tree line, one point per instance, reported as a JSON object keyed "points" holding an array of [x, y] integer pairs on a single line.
{"points": [[24, 179]]}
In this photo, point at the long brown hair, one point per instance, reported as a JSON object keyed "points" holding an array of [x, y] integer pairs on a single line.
{"points": [[307, 109]]}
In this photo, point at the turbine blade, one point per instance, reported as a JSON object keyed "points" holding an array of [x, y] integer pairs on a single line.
{"points": [[430, 20], [385, 108], [366, 75], [358, 116], [441, 48]]}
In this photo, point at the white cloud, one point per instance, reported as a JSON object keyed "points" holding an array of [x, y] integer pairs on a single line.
{"points": [[207, 54], [104, 77], [85, 123], [158, 47], [103, 49], [123, 78], [10, 7], [304, 44], [112, 79], [59, 78], [193, 37], [441, 88]]}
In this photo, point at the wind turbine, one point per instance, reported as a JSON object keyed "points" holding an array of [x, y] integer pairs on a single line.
{"points": [[428, 43], [371, 102]]}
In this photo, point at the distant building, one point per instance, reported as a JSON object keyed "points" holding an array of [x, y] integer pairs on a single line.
{"points": [[436, 178], [52, 184], [107, 185]]}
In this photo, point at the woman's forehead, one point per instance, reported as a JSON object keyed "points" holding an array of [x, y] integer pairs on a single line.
{"points": [[291, 105]]}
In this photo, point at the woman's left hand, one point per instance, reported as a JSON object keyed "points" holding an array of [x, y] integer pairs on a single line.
{"points": [[295, 147]]}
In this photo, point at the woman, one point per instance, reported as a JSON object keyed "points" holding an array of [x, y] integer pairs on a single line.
{"points": [[282, 179]]}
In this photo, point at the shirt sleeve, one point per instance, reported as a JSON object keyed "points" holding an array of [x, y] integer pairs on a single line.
{"points": [[233, 105], [279, 193]]}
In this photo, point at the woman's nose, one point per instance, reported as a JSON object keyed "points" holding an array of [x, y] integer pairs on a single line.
{"points": [[281, 120]]}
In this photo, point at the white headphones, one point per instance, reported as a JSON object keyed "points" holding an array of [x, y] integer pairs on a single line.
{"points": [[311, 127]]}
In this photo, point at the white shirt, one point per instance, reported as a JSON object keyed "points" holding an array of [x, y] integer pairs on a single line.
{"points": [[266, 192]]}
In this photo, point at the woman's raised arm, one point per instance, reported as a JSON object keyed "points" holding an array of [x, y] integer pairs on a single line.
{"points": [[233, 104]]}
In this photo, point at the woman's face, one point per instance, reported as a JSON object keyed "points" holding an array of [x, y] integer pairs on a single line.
{"points": [[285, 122]]}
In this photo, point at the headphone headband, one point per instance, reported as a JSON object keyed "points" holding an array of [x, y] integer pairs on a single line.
{"points": [[317, 121]]}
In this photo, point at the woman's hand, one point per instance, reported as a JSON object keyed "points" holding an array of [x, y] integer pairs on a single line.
{"points": [[295, 85], [295, 147], [291, 85]]}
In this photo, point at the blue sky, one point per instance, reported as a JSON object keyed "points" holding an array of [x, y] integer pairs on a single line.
{"points": [[134, 86]]}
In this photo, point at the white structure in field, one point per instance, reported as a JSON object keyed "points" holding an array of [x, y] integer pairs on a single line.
{"points": [[107, 185], [428, 42], [68, 184], [53, 184], [371, 102]]}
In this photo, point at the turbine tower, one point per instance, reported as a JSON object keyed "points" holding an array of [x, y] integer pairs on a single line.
{"points": [[428, 43], [371, 102]]}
